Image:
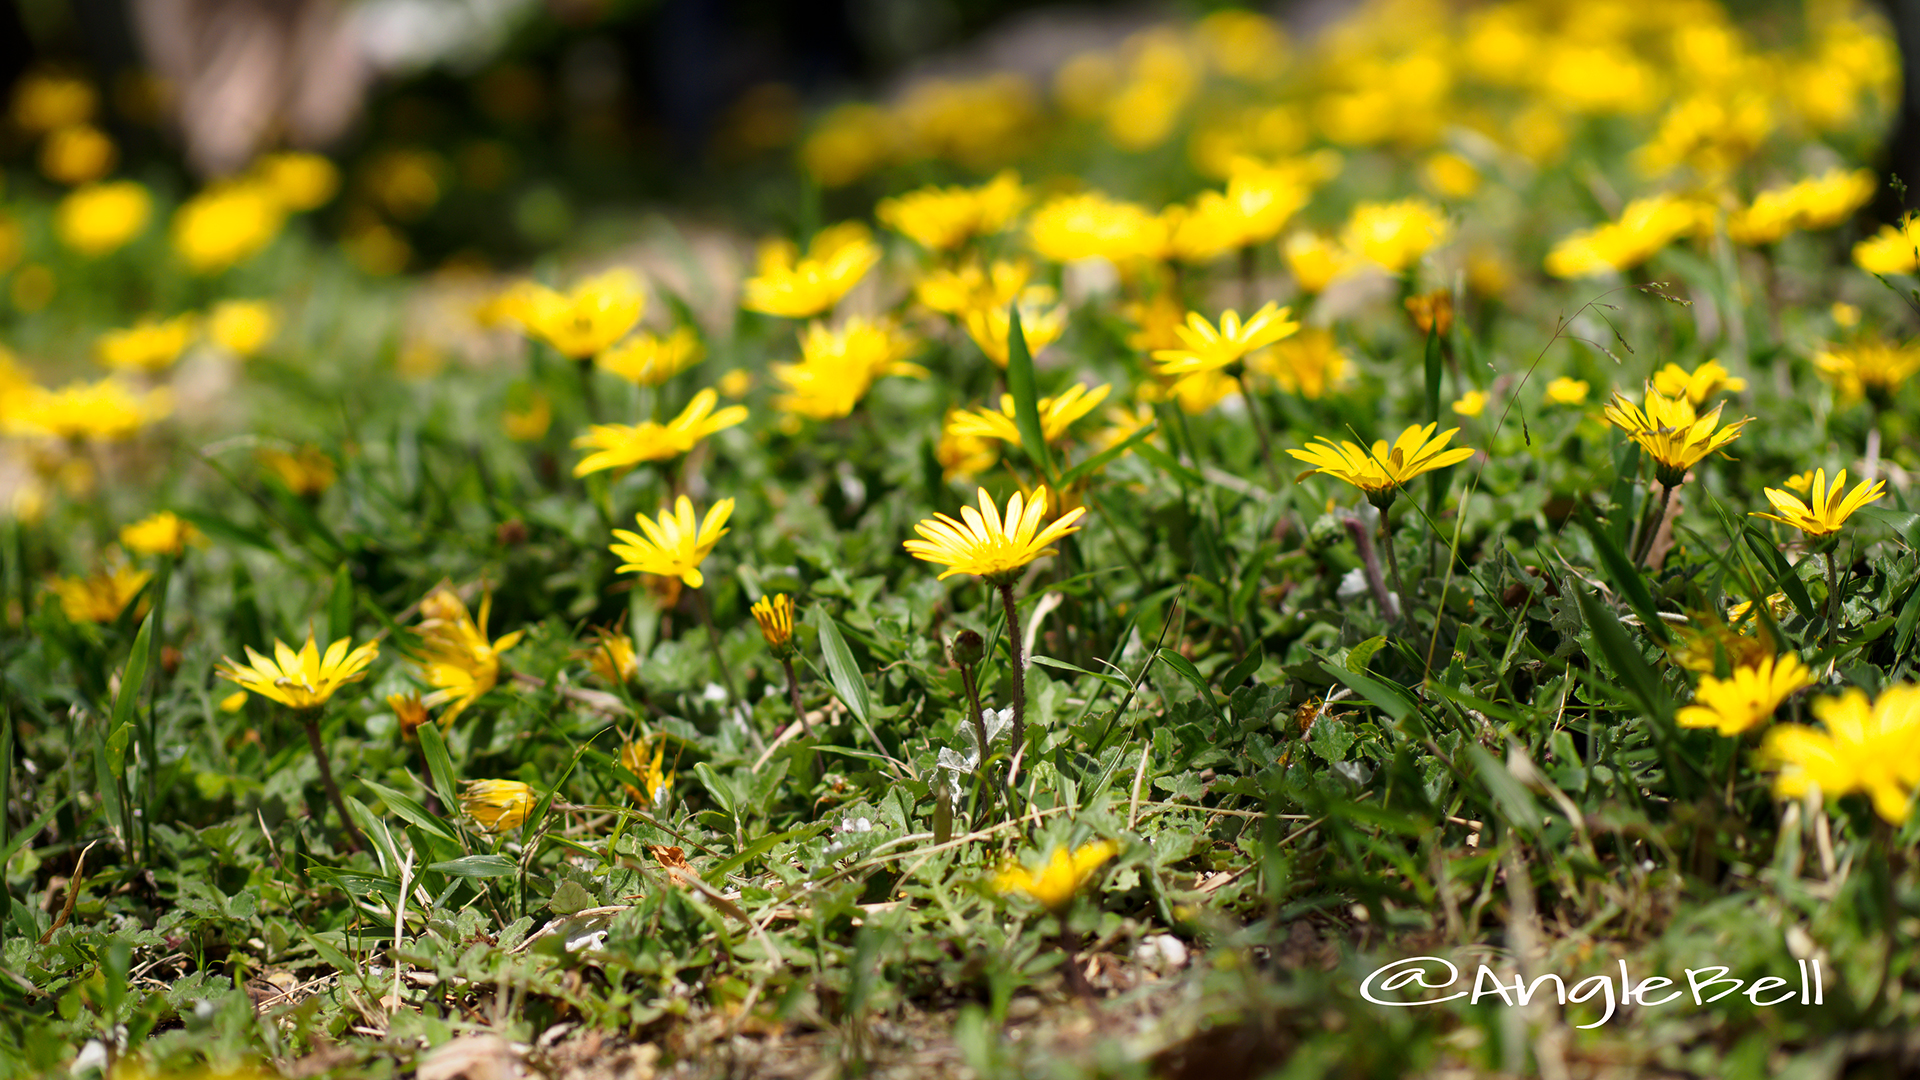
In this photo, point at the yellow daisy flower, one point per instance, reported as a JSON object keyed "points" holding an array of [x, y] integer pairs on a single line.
{"points": [[1870, 748], [797, 288], [596, 313], [652, 772], [675, 544], [1748, 695], [456, 657], [985, 544], [148, 345], [647, 360], [1825, 509], [1211, 349], [1061, 877], [101, 596], [1057, 414], [775, 616], [1565, 391], [497, 806], [301, 680], [1699, 384], [622, 446], [1671, 432], [1381, 471], [160, 534]]}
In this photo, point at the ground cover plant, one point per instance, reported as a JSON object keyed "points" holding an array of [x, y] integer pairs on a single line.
{"points": [[1064, 579]]}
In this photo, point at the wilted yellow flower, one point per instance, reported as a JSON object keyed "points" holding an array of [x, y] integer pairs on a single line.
{"points": [[101, 218], [148, 345], [1711, 641], [985, 545], [1873, 369], [299, 181], [45, 101], [1825, 509], [1210, 349], [941, 219], [1395, 235], [160, 534], [101, 596], [775, 616], [1565, 391], [242, 327], [1057, 414], [1041, 324], [1306, 365], [226, 224], [497, 806], [1747, 697], [596, 313], [1314, 260], [1699, 384], [647, 360], [1061, 877], [612, 657], [800, 288], [455, 656], [529, 418], [838, 366], [1471, 403], [651, 771], [1895, 249], [409, 712], [1432, 311], [1073, 227], [1870, 748], [108, 409], [622, 446], [1644, 227], [1670, 432], [1383, 470], [306, 472], [675, 544], [301, 680], [77, 154]]}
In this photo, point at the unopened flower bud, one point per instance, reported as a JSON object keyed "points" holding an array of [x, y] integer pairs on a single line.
{"points": [[968, 648]]}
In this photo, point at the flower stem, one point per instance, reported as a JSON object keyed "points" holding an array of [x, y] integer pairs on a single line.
{"points": [[1018, 743], [1076, 978], [1363, 541], [312, 722], [1650, 525], [1393, 564], [793, 694], [1833, 595], [1260, 429]]}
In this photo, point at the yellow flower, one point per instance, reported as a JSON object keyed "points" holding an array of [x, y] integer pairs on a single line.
{"points": [[108, 409], [676, 544], [77, 154], [101, 218], [1056, 415], [1092, 225], [775, 616], [1644, 227], [652, 773], [1060, 879], [242, 327], [1471, 403], [299, 181], [1041, 324], [961, 455], [1381, 471], [1306, 365], [800, 288], [1813, 203], [957, 291], [44, 102], [1747, 697], [1453, 176], [1825, 509], [409, 712], [987, 545], [306, 472], [612, 657], [1845, 315], [1710, 640], [941, 219], [148, 345], [161, 534], [1670, 432], [622, 446], [1565, 391], [529, 418], [647, 360], [304, 679], [736, 383], [455, 656], [234, 702], [1315, 261], [1872, 369], [101, 596], [1210, 349], [226, 224], [1393, 236], [596, 313], [1698, 385], [1431, 309], [497, 806], [1870, 748], [1895, 249], [837, 367]]}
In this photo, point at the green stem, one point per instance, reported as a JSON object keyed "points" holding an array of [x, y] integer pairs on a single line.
{"points": [[1833, 595], [1260, 429], [1393, 564], [1018, 742], [312, 721]]}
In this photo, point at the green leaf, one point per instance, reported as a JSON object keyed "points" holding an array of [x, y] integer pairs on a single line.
{"points": [[1904, 525], [1240, 672], [117, 750], [1026, 399], [1114, 681], [340, 605], [1625, 577], [1388, 698], [848, 684], [133, 677], [477, 866], [1510, 797], [1784, 577], [1361, 655], [570, 897], [1192, 674], [1166, 463], [221, 529], [410, 811], [1620, 653], [434, 749]]}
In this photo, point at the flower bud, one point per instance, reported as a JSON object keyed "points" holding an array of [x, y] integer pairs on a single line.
{"points": [[968, 648]]}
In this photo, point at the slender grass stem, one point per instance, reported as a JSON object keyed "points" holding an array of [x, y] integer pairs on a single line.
{"points": [[311, 719]]}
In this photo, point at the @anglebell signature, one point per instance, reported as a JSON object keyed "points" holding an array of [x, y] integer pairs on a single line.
{"points": [[1426, 975]]}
